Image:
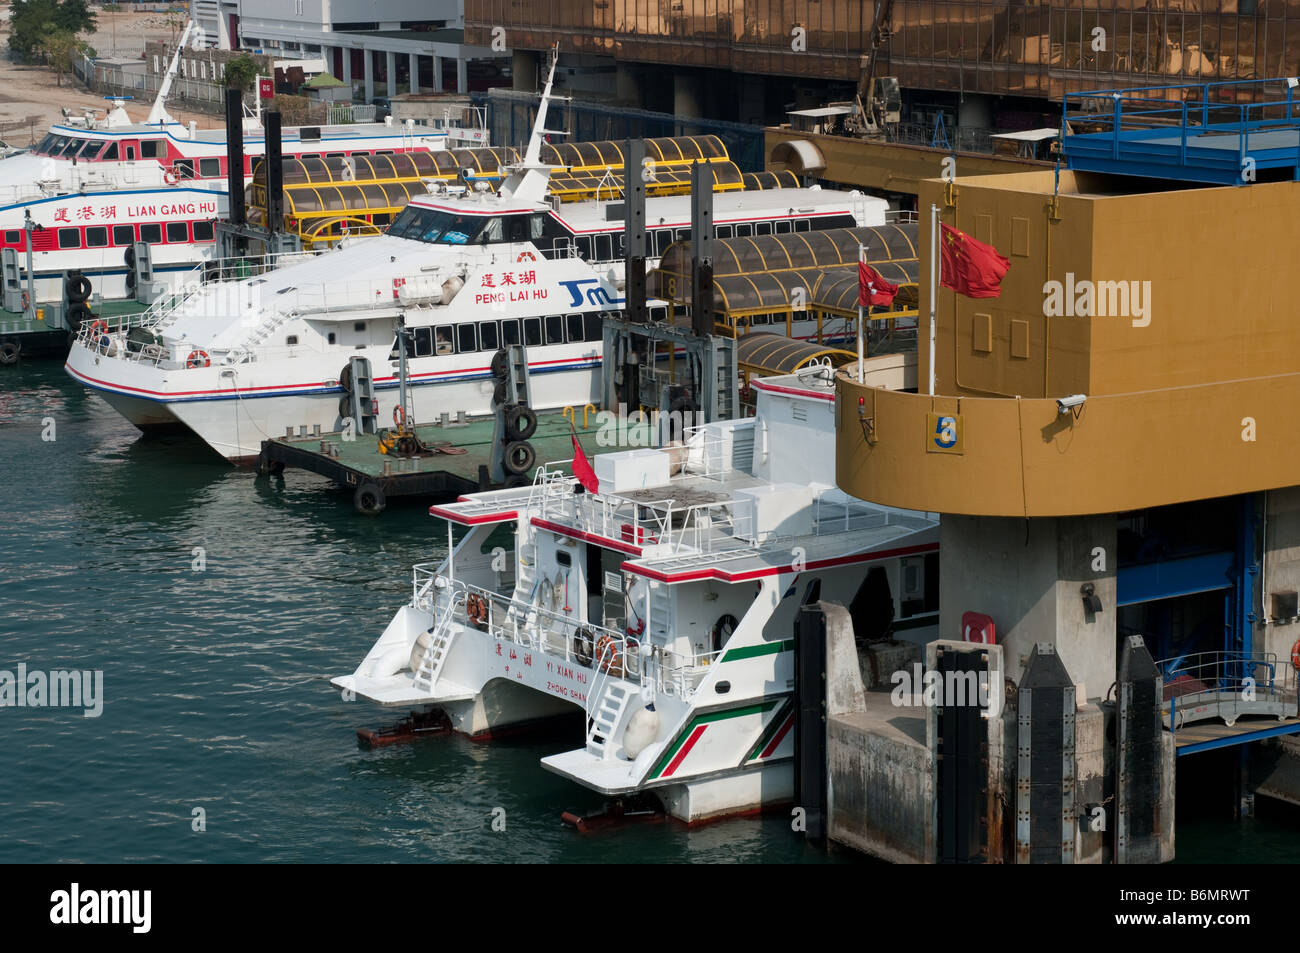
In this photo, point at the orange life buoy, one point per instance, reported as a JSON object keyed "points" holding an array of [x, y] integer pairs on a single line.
{"points": [[609, 656], [170, 176], [1295, 655], [399, 415], [476, 609], [197, 358]]}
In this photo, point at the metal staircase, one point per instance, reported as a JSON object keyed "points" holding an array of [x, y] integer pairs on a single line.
{"points": [[435, 655], [604, 721], [361, 396]]}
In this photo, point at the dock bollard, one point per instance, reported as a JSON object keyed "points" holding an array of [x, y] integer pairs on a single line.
{"points": [[315, 430], [325, 447], [302, 430], [388, 468], [288, 433]]}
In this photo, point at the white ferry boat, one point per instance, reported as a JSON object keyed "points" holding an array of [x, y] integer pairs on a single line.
{"points": [[662, 606], [93, 187], [238, 362]]}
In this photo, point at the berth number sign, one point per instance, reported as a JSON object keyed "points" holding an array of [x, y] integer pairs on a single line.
{"points": [[944, 433]]}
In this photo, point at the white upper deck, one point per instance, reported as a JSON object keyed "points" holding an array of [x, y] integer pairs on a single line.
{"points": [[746, 496]]}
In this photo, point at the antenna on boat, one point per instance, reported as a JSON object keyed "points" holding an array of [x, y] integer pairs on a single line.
{"points": [[527, 180], [158, 114]]}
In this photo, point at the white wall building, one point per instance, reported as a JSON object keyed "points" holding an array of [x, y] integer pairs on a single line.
{"points": [[378, 47]]}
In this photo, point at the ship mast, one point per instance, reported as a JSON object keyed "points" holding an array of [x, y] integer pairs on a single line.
{"points": [[158, 114]]}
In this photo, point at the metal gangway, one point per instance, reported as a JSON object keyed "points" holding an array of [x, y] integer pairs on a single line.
{"points": [[1205, 693]]}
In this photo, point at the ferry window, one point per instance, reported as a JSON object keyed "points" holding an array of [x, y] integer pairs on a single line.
{"points": [[70, 147], [492, 231], [724, 231], [465, 338], [683, 234], [46, 145], [516, 228], [150, 148], [89, 150], [555, 329], [291, 340], [744, 230], [130, 153], [109, 154], [763, 228], [591, 326], [583, 242], [151, 233], [177, 232], [621, 239], [184, 168], [209, 168], [532, 332], [802, 225], [663, 238], [123, 234], [97, 237], [444, 340], [331, 337], [573, 324], [69, 238], [203, 231], [487, 335], [509, 332], [383, 152], [423, 342], [359, 327], [760, 319], [382, 219], [14, 237], [604, 248], [783, 227]]}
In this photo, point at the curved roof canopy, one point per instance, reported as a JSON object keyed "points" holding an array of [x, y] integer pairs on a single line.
{"points": [[767, 354], [794, 272]]}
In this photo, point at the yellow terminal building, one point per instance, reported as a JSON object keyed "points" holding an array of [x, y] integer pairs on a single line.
{"points": [[1108, 441]]}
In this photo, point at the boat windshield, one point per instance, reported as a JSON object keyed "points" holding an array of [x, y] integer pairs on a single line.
{"points": [[439, 227]]}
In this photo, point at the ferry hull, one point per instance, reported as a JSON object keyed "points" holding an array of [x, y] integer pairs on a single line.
{"points": [[235, 422]]}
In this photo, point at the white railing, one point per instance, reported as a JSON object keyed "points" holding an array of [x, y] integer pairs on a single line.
{"points": [[605, 652]]}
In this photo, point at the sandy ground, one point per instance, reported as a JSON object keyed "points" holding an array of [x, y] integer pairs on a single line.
{"points": [[31, 99]]}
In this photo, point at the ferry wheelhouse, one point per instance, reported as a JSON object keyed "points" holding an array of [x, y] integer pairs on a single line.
{"points": [[662, 606], [237, 362]]}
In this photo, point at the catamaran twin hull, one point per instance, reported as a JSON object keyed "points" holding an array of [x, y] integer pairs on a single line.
{"points": [[663, 606]]}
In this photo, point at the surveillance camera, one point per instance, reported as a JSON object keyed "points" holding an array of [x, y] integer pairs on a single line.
{"points": [[467, 173], [1065, 404]]}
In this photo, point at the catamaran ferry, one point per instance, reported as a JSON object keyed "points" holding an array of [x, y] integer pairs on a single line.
{"points": [[237, 362], [662, 605], [93, 188]]}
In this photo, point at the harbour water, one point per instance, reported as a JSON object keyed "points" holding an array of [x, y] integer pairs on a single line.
{"points": [[215, 685]]}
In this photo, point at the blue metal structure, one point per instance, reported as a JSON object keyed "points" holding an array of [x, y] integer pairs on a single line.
{"points": [[1228, 133]]}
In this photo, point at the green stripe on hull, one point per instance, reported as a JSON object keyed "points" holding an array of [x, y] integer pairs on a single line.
{"points": [[754, 651], [708, 718], [769, 732]]}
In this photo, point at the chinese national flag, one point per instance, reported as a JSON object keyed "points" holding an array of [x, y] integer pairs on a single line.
{"points": [[970, 267], [873, 289], [582, 468]]}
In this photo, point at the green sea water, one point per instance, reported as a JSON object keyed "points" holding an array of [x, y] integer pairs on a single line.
{"points": [[216, 697]]}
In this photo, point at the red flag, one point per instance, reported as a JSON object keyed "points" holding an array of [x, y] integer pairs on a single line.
{"points": [[582, 469], [873, 289], [970, 267]]}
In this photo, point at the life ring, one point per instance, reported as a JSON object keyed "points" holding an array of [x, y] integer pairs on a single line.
{"points": [[608, 655], [170, 177], [476, 609], [399, 415], [198, 358], [98, 327], [27, 302], [1295, 655]]}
